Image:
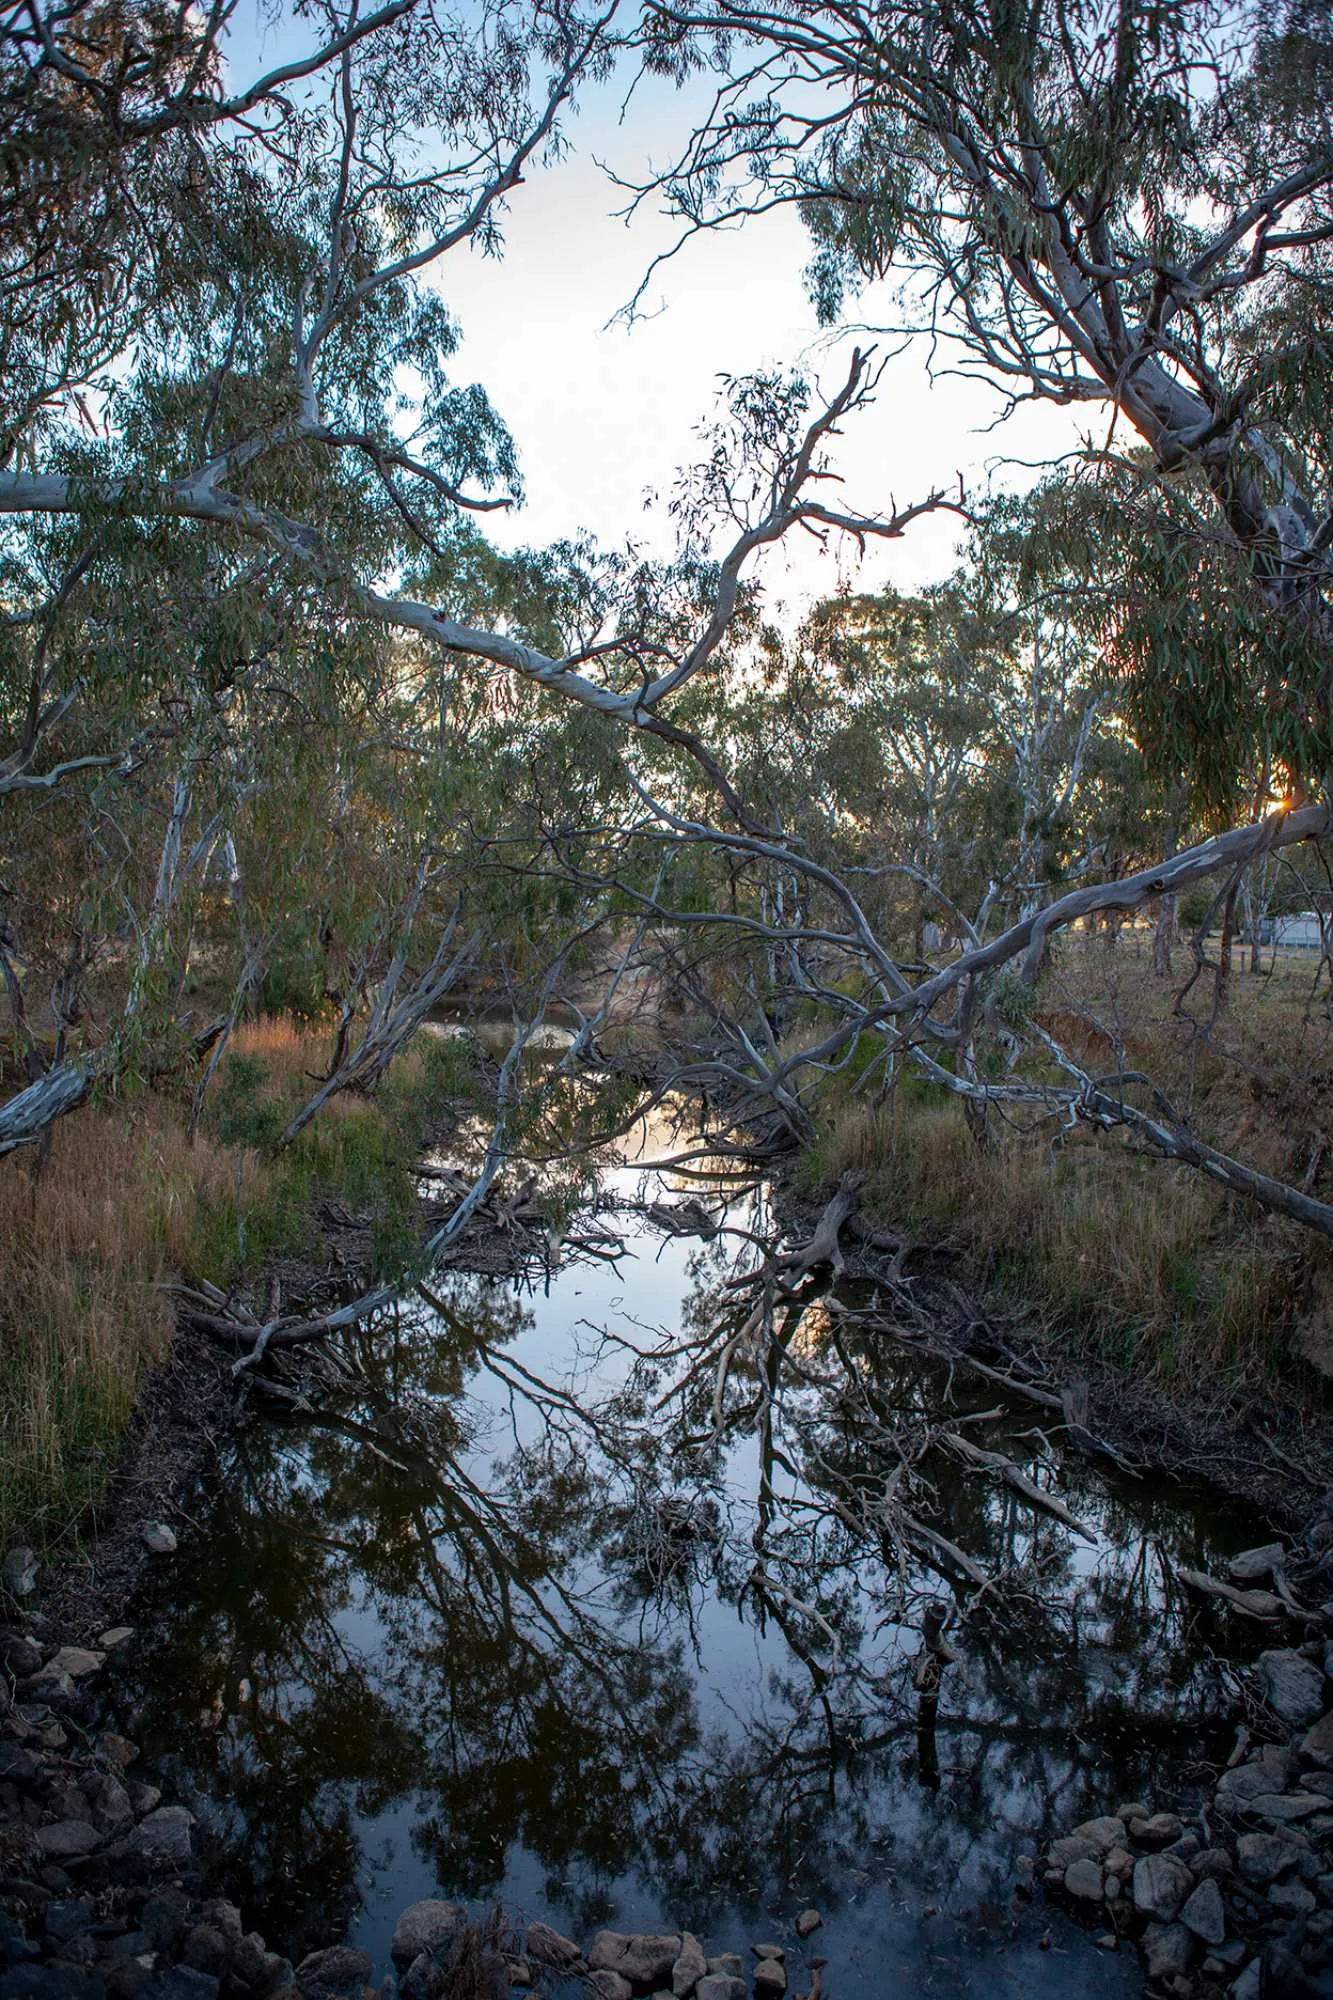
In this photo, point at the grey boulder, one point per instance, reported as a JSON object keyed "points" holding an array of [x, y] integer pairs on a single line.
{"points": [[644, 1960], [1161, 1884], [337, 1973], [1085, 1881], [1167, 1950], [425, 1926], [67, 1839], [164, 1834], [1262, 1857], [689, 1968], [604, 1984], [548, 1947], [1203, 1912], [1293, 1687], [179, 1982]]}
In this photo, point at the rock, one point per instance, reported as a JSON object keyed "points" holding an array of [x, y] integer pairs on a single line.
{"points": [[427, 1925], [112, 1810], [1159, 1830], [76, 1661], [50, 1982], [67, 1839], [22, 1655], [1167, 1950], [1247, 1781], [1261, 1857], [1317, 1743], [159, 1539], [114, 1636], [1133, 1809], [179, 1982], [1284, 1807], [1086, 1881], [721, 1986], [252, 1961], [808, 1922], [604, 1984], [124, 1977], [1292, 1899], [337, 1973], [520, 1973], [1161, 1884], [1203, 1912], [1284, 1764], [65, 1917], [770, 1976], [117, 1750], [206, 1949], [56, 1690], [768, 1951], [19, 1571], [1214, 1862], [644, 1961], [17, 1765], [1293, 1687], [423, 1980], [1253, 1565], [164, 1917], [144, 1798], [729, 1962], [1102, 1834], [1248, 1986], [164, 1835], [1073, 1848], [548, 1947], [689, 1968]]}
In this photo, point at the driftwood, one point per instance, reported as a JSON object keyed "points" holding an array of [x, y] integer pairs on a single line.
{"points": [[822, 1246], [1260, 1604], [1036, 1496], [780, 1275]]}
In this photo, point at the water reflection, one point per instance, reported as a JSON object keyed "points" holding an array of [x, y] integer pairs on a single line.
{"points": [[510, 1617]]}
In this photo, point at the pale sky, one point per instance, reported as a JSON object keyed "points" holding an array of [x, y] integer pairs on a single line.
{"points": [[603, 413]]}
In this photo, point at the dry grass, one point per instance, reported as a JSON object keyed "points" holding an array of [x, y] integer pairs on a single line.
{"points": [[124, 1200], [84, 1241], [1153, 1264]]}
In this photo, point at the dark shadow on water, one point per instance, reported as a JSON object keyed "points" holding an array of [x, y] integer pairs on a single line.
{"points": [[501, 1621]]}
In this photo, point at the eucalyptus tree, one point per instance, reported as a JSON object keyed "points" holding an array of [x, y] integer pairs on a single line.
{"points": [[275, 398], [1126, 209]]}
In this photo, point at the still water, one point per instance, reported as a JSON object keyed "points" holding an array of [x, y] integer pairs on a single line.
{"points": [[505, 1619]]}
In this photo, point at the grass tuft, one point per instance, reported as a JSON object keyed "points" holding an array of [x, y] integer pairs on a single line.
{"points": [[124, 1200]]}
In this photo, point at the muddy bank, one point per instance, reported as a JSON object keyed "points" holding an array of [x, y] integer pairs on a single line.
{"points": [[1271, 1451]]}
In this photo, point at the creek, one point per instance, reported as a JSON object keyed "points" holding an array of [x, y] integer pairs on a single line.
{"points": [[499, 1619]]}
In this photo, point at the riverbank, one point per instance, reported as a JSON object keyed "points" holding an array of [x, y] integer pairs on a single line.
{"points": [[919, 1306], [127, 1198], [1147, 1268]]}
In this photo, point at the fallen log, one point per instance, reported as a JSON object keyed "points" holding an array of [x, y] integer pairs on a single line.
{"points": [[1036, 1496], [1259, 1604]]}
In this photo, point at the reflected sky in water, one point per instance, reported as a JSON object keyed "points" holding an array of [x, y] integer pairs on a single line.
{"points": [[502, 1619]]}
